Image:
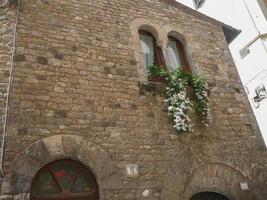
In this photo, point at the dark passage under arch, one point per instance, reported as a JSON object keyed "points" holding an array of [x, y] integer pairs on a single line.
{"points": [[209, 196]]}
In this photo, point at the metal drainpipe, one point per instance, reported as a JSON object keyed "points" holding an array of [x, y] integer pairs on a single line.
{"points": [[10, 80]]}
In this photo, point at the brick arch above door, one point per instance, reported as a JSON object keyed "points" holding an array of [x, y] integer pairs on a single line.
{"points": [[213, 177]]}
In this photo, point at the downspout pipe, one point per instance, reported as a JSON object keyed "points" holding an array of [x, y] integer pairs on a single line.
{"points": [[10, 81]]}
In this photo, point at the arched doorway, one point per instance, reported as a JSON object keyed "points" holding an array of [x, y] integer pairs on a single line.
{"points": [[64, 180], [209, 196]]}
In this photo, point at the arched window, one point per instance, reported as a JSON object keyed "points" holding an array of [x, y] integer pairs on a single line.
{"points": [[176, 55], [151, 52], [64, 179]]}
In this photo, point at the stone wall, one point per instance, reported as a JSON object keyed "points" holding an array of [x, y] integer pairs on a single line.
{"points": [[78, 93], [7, 25]]}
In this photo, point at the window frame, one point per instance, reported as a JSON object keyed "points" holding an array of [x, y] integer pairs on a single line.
{"points": [[160, 61], [182, 53], [65, 194]]}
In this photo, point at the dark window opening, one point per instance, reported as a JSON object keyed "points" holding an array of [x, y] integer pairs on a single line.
{"points": [[209, 196]]}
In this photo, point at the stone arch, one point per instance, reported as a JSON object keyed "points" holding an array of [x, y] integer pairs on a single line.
{"points": [[178, 36], [152, 30], [215, 177], [145, 24], [177, 32], [44, 151], [220, 178], [155, 30]]}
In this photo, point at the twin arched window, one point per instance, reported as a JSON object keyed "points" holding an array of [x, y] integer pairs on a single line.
{"points": [[153, 54]]}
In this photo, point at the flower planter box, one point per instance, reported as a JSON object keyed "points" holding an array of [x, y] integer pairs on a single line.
{"points": [[156, 79]]}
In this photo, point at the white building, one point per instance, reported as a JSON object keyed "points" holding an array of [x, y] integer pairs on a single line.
{"points": [[249, 49]]}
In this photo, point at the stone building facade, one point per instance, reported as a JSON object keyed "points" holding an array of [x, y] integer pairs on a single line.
{"points": [[75, 87]]}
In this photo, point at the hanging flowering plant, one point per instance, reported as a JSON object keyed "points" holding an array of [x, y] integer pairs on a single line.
{"points": [[203, 107], [179, 105]]}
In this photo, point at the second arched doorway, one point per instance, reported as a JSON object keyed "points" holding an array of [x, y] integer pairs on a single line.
{"points": [[64, 180], [209, 196]]}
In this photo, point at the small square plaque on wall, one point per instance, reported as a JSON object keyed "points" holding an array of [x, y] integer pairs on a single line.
{"points": [[244, 186], [132, 170]]}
